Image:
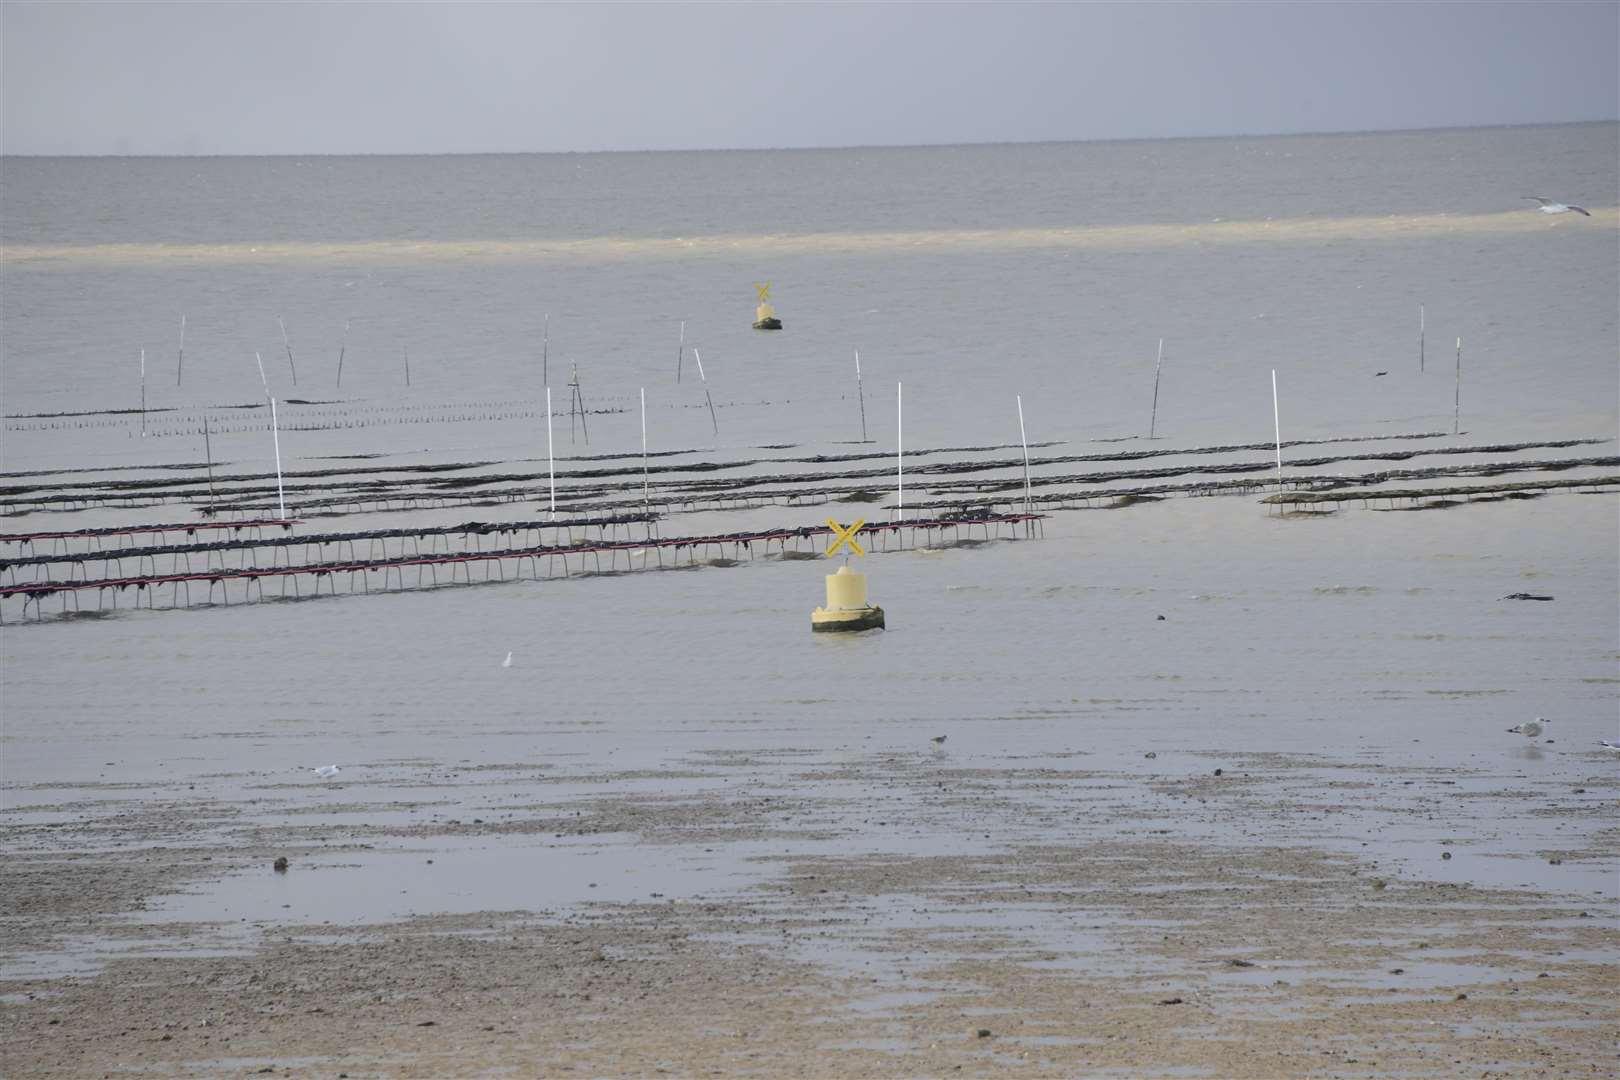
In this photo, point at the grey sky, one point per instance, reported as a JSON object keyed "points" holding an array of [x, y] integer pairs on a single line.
{"points": [[453, 78]]}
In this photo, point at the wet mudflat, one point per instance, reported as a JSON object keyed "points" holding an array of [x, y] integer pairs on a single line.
{"points": [[824, 910]]}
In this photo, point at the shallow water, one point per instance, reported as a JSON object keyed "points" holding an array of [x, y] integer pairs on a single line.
{"points": [[1361, 641]]}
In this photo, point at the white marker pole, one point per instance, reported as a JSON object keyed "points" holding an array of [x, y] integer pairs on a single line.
{"points": [[180, 362], [262, 380], [1028, 499], [899, 454], [705, 379], [645, 502], [1423, 320], [143, 393], [680, 352], [551, 460], [1276, 417], [860, 392], [1456, 396], [1154, 419], [275, 432]]}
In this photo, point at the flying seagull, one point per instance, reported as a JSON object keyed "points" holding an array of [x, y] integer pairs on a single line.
{"points": [[1550, 207], [1531, 728], [508, 661]]}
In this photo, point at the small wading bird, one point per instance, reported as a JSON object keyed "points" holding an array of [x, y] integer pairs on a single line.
{"points": [[1531, 728], [1549, 207]]}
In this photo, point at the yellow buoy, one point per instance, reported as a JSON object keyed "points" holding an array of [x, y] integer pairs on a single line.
{"points": [[847, 607], [765, 315]]}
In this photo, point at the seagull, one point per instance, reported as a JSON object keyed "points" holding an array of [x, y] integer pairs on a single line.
{"points": [[1531, 728], [1550, 207], [326, 772], [508, 661], [939, 738], [1607, 745]]}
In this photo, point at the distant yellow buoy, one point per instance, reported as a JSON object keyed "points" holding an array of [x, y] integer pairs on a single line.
{"points": [[765, 315], [847, 606]]}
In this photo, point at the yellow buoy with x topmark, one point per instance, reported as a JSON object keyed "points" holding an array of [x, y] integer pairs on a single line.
{"points": [[765, 315], [847, 607]]}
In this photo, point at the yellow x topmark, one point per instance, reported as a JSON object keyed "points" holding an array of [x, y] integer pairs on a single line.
{"points": [[845, 536], [764, 291]]}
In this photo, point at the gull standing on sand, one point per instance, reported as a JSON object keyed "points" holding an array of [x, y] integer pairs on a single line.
{"points": [[1531, 728], [326, 772], [1548, 206]]}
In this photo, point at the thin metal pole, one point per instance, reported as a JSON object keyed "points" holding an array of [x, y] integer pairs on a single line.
{"points": [[579, 397], [407, 365], [288, 346], [264, 382], [143, 393], [180, 362], [1423, 320], [343, 346], [696, 356], [1276, 417], [551, 458], [860, 392], [545, 353], [899, 454], [680, 352], [1153, 420], [275, 431], [645, 500], [1456, 396], [208, 450], [1028, 499]]}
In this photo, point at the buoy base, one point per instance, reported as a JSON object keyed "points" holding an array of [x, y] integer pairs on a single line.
{"points": [[772, 323], [843, 620]]}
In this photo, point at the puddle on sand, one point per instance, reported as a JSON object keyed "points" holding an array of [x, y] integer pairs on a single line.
{"points": [[85, 956], [1413, 974], [228, 915], [889, 1001], [239, 1065], [390, 884]]}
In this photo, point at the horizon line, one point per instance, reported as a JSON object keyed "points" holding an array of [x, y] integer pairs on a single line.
{"points": [[838, 147]]}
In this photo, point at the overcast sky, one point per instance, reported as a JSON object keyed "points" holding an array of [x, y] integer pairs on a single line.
{"points": [[155, 78]]}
